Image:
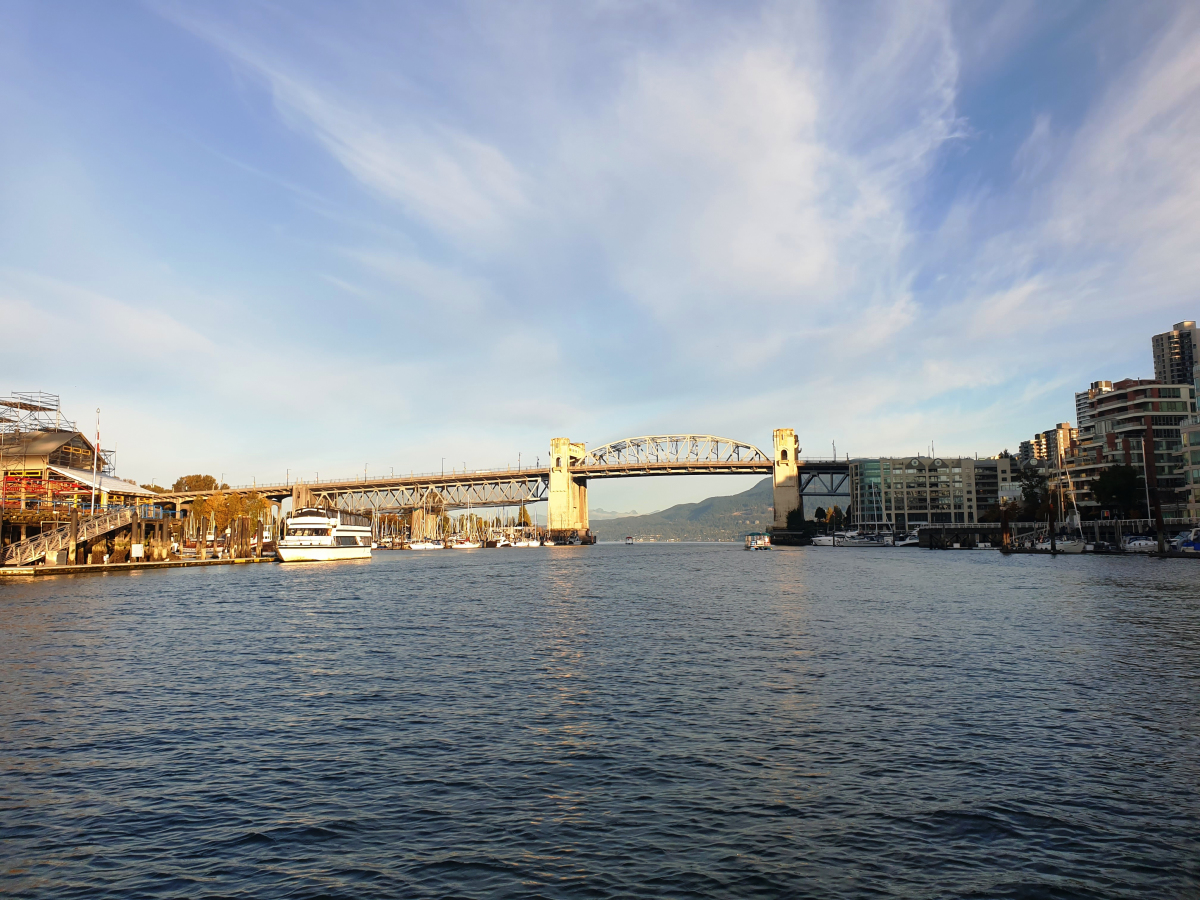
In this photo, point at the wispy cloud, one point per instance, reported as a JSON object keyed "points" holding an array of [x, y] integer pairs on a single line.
{"points": [[875, 223]]}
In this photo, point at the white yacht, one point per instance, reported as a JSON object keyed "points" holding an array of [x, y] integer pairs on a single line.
{"points": [[1139, 543], [1062, 544], [316, 535]]}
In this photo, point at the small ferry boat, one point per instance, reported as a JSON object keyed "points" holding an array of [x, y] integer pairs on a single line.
{"points": [[628, 540], [318, 535], [758, 541]]}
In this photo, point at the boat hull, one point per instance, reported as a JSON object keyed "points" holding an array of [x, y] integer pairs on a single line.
{"points": [[321, 554]]}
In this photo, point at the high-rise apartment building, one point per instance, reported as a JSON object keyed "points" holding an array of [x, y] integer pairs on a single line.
{"points": [[1137, 416], [1032, 449], [1083, 402], [1175, 352], [1189, 435], [1058, 441], [1045, 446]]}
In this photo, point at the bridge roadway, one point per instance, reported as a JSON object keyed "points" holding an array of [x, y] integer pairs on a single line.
{"points": [[564, 482], [485, 488]]}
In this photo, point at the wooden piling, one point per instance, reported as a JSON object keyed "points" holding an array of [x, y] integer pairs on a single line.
{"points": [[73, 537]]}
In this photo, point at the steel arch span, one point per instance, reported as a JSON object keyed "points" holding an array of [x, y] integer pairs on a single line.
{"points": [[673, 450]]}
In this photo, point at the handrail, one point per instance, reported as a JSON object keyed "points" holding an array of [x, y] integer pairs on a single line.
{"points": [[39, 545]]}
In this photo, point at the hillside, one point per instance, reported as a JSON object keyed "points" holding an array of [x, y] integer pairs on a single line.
{"points": [[714, 519]]}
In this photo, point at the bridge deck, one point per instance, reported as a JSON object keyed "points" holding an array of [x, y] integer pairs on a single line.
{"points": [[496, 487]]}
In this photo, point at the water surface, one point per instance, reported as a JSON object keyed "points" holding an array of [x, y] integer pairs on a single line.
{"points": [[681, 720]]}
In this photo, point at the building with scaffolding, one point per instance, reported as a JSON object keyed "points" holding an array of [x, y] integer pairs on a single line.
{"points": [[49, 467]]}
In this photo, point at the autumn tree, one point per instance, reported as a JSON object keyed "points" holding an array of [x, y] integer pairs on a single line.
{"points": [[197, 483]]}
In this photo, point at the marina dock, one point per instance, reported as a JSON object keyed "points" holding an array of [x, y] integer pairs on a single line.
{"points": [[107, 568]]}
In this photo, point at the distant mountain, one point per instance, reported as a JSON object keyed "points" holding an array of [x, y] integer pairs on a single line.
{"points": [[715, 519], [597, 514]]}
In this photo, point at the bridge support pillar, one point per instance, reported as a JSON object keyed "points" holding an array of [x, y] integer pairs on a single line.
{"points": [[567, 508], [786, 475]]}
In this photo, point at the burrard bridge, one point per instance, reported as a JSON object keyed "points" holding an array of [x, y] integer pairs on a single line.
{"points": [[563, 483]]}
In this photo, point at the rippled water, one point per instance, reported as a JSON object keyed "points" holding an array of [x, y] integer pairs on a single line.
{"points": [[685, 720]]}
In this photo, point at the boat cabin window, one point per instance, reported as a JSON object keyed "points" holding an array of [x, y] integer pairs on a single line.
{"points": [[309, 532]]}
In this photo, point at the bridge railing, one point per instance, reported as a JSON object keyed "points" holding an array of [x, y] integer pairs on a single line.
{"points": [[372, 479], [510, 469]]}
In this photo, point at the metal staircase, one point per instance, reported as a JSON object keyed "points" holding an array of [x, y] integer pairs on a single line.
{"points": [[25, 552]]}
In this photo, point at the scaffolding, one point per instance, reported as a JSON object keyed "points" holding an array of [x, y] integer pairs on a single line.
{"points": [[25, 411]]}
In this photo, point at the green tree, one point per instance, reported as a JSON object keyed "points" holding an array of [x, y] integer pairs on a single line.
{"points": [[1120, 490], [1035, 492], [820, 515], [197, 483], [158, 489], [523, 518]]}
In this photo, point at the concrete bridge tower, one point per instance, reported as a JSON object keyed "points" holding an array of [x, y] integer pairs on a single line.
{"points": [[567, 508], [787, 476]]}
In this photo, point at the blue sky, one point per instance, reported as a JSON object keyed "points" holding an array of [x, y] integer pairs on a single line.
{"points": [[313, 237]]}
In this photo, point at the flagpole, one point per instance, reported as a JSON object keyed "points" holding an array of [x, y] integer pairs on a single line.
{"points": [[95, 460]]}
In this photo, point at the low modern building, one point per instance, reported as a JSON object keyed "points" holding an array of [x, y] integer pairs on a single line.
{"points": [[906, 492]]}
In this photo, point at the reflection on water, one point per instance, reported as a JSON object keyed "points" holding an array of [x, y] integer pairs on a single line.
{"points": [[606, 721]]}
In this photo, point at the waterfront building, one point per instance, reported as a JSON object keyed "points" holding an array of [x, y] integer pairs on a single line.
{"points": [[1033, 449], [1175, 353], [907, 492], [45, 462], [1084, 401], [1048, 444], [1189, 436], [1058, 441], [1136, 415]]}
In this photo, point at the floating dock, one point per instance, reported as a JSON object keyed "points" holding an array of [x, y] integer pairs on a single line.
{"points": [[103, 569]]}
